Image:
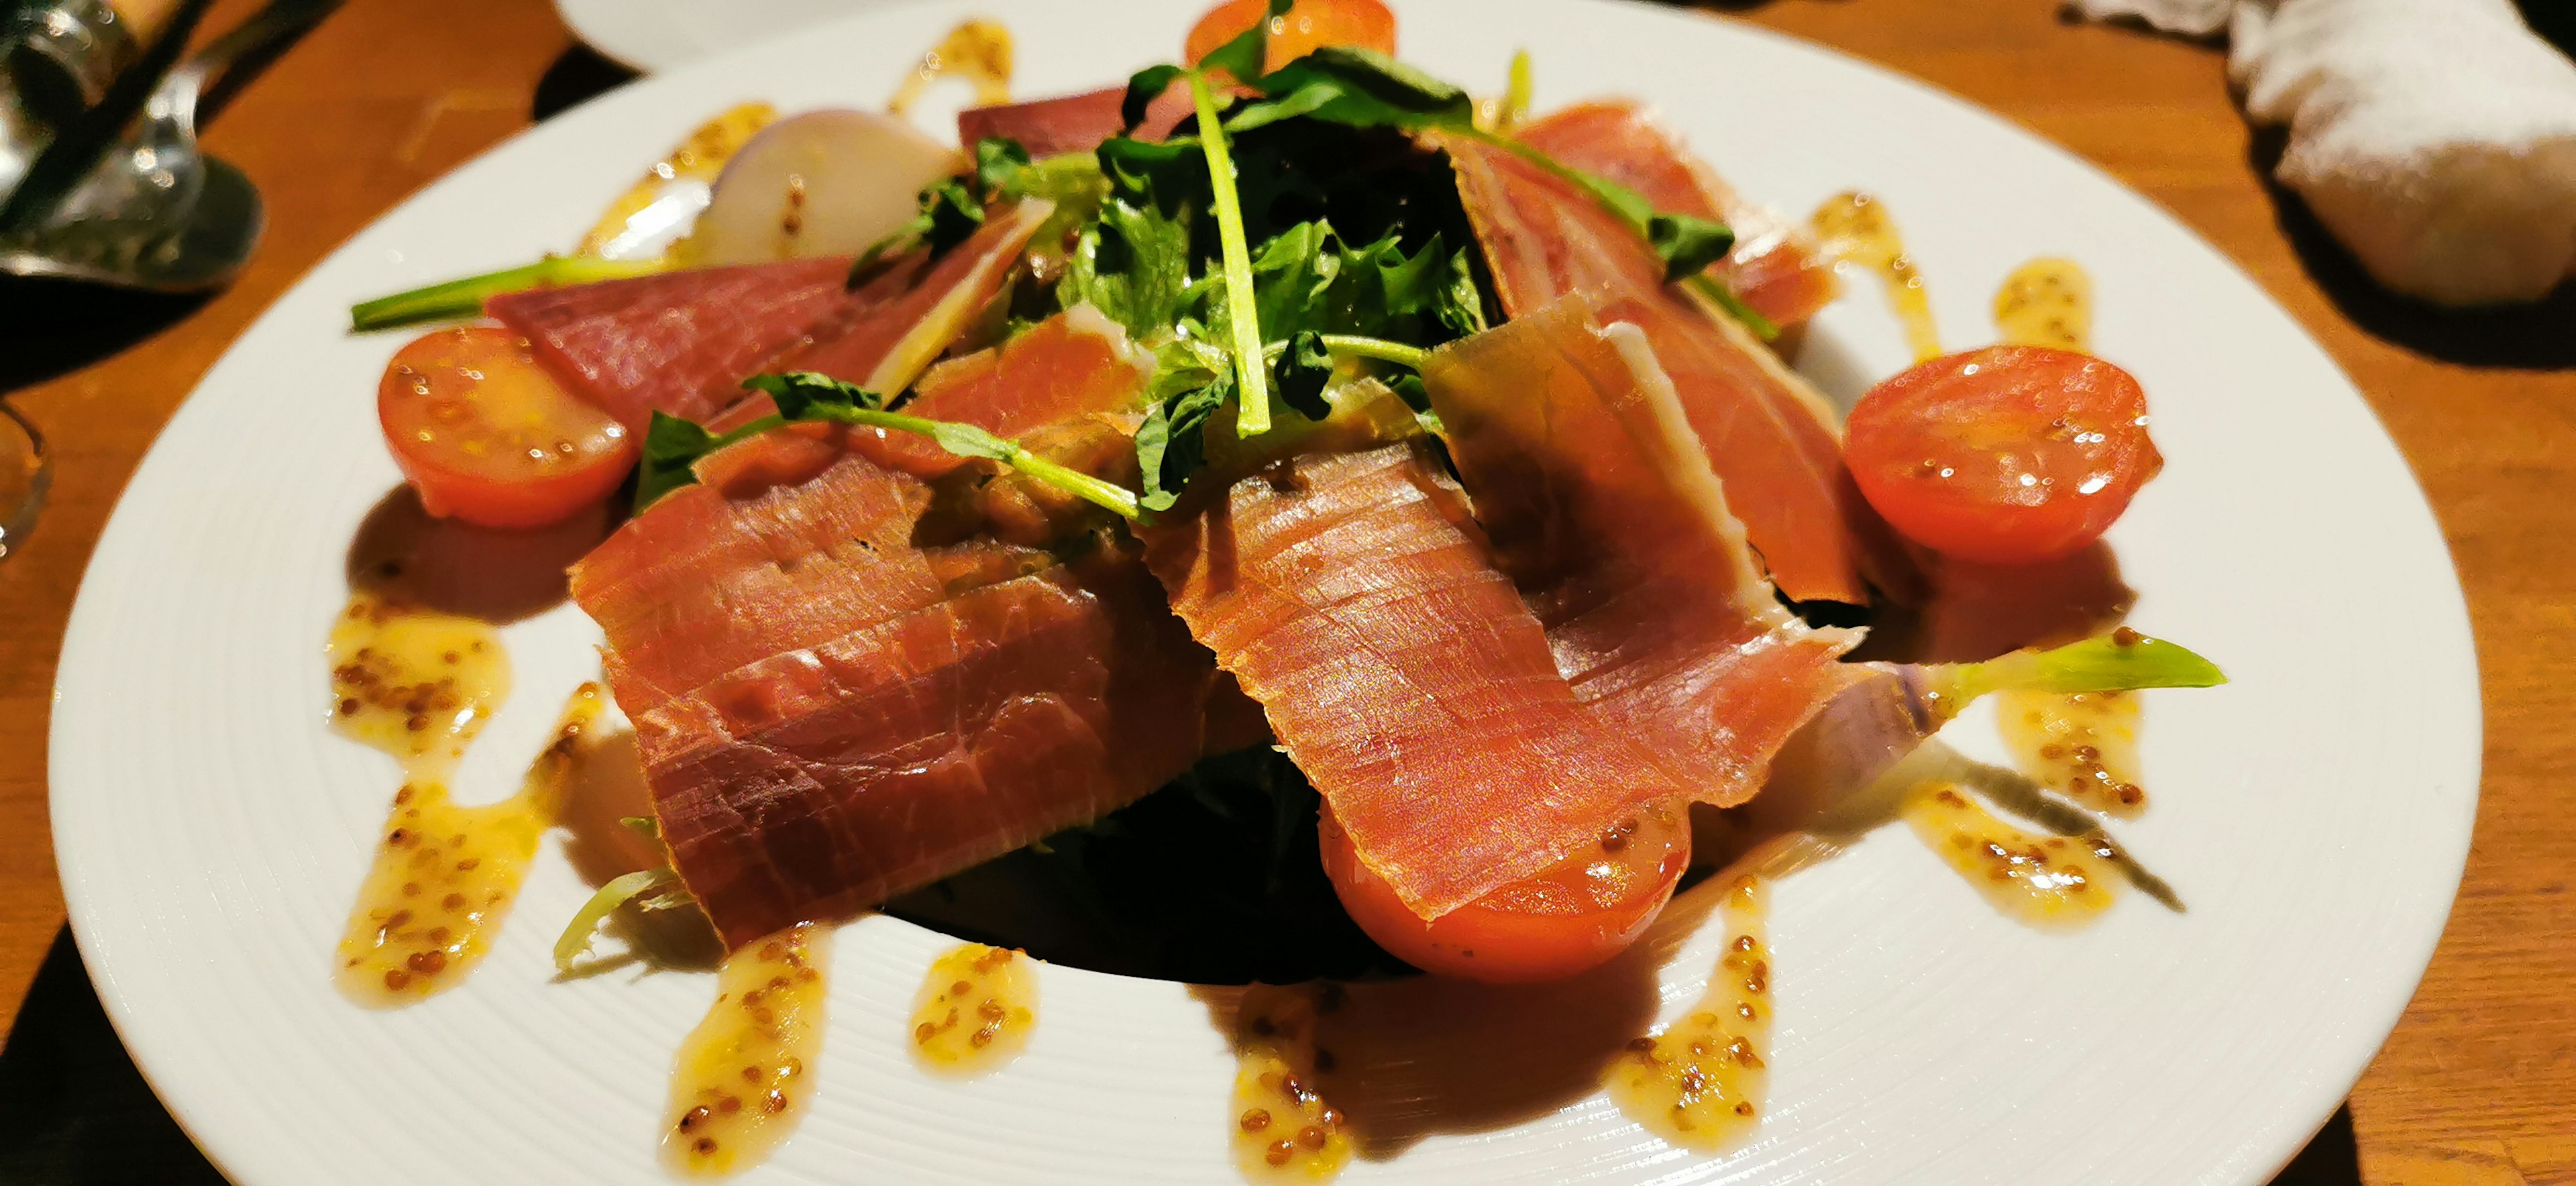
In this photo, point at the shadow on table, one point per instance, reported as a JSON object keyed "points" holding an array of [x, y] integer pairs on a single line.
{"points": [[79, 1114], [57, 326], [577, 77], [2537, 336]]}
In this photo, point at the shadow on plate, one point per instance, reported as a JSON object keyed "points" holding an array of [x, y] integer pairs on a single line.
{"points": [[2538, 336]]}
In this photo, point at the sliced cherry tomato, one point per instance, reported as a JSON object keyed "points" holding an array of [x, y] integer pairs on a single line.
{"points": [[1568, 919], [487, 436], [1309, 26], [2006, 455]]}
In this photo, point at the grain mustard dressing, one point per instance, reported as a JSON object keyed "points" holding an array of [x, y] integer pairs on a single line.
{"points": [[2046, 881], [978, 51], [2083, 746], [414, 683], [1283, 1129], [2046, 302], [745, 1076], [445, 876], [976, 1008], [1701, 1083], [1855, 229]]}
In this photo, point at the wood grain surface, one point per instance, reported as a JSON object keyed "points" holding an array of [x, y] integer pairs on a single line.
{"points": [[2477, 1085]]}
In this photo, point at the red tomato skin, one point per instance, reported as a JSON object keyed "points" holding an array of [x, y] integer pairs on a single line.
{"points": [[1529, 932], [443, 380], [2005, 455], [1310, 25]]}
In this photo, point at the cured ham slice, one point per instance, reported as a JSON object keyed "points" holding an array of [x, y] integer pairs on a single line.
{"points": [[1768, 434], [903, 318], [1350, 595], [1602, 507], [681, 342], [1072, 123], [825, 779], [1073, 366], [1775, 265]]}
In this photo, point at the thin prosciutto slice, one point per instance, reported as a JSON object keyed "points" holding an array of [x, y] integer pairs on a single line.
{"points": [[1603, 508], [1769, 435], [682, 343], [1351, 595], [1775, 265], [1073, 123], [823, 780]]}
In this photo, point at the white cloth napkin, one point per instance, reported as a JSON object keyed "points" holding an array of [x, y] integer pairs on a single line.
{"points": [[2436, 138]]}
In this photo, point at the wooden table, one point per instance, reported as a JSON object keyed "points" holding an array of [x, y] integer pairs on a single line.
{"points": [[2478, 1084]]}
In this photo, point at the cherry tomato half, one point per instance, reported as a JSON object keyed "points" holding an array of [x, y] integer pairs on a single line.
{"points": [[1310, 25], [487, 436], [1566, 920], [2006, 455]]}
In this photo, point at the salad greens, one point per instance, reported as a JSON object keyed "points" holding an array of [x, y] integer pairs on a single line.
{"points": [[2121, 661], [672, 446]]}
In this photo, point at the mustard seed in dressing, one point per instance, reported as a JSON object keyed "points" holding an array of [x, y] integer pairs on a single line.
{"points": [[2083, 746], [1284, 1130], [2046, 881], [1702, 1083], [975, 1010], [414, 683], [2046, 302], [1855, 229], [745, 1077], [445, 876]]}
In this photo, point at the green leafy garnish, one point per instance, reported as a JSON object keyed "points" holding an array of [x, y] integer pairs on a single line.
{"points": [[1252, 409], [1248, 53], [2123, 660], [650, 889], [453, 299], [672, 446], [953, 210], [1359, 88], [1687, 245]]}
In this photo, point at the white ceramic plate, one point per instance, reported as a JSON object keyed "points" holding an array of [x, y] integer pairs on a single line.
{"points": [[657, 35], [2314, 813]]}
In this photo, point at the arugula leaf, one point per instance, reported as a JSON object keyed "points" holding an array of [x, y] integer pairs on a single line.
{"points": [[651, 889], [1686, 244], [1143, 87], [952, 210], [1133, 264], [998, 163], [1248, 54], [671, 447], [1301, 373], [1358, 88], [1192, 379]]}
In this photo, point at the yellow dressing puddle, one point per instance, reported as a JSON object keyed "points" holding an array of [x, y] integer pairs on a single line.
{"points": [[745, 1077], [1284, 1130], [978, 51], [976, 1008], [445, 876], [2083, 746], [1701, 1083], [2044, 880], [2046, 302], [1855, 228], [414, 683]]}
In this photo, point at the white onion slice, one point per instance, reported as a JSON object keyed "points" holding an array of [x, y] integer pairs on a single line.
{"points": [[830, 182]]}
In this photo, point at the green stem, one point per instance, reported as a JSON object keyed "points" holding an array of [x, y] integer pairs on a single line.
{"points": [[2121, 661], [649, 885], [1516, 95], [1252, 380], [1408, 357], [452, 299]]}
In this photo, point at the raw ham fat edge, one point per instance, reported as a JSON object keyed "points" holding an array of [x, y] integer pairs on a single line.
{"points": [[1768, 434], [1775, 266], [1601, 505], [1351, 595]]}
